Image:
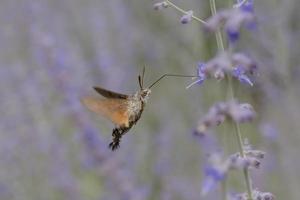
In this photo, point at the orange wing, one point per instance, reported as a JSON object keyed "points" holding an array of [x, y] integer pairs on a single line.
{"points": [[113, 109]]}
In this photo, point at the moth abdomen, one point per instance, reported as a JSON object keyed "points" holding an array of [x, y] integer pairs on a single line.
{"points": [[116, 139], [117, 135]]}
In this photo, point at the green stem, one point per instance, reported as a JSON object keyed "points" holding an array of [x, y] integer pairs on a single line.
{"points": [[240, 144], [240, 139], [220, 45], [184, 12], [224, 189], [219, 39], [248, 183]]}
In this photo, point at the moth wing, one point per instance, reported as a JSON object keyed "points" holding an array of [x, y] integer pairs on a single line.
{"points": [[113, 109], [110, 94]]}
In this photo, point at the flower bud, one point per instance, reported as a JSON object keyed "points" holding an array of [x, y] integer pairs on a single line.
{"points": [[160, 5], [187, 17]]}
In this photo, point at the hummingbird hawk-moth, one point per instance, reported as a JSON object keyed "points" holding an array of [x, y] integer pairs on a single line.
{"points": [[123, 110]]}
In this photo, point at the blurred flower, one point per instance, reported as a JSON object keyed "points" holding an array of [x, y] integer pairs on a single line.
{"points": [[245, 5], [160, 5], [239, 73], [214, 117], [256, 195], [255, 153], [235, 22], [215, 172], [248, 7], [233, 34], [222, 64], [248, 64], [201, 75], [218, 168], [238, 112], [232, 19], [214, 22], [251, 157], [239, 162], [187, 17], [219, 74]]}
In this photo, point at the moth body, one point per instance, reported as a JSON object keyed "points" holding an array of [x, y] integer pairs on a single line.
{"points": [[135, 108], [136, 104]]}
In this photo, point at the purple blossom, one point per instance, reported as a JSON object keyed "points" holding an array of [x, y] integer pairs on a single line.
{"points": [[201, 75], [232, 20], [238, 112], [233, 35], [160, 5], [247, 6], [251, 159], [240, 73], [248, 64], [215, 172], [208, 185], [257, 195], [241, 112], [187, 17]]}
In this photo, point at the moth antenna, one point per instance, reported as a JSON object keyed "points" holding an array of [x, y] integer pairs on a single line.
{"points": [[140, 82], [143, 75], [174, 75]]}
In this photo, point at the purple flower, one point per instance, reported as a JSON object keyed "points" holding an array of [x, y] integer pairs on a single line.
{"points": [[240, 73], [201, 75], [233, 35], [247, 6], [233, 19], [258, 195], [214, 173], [160, 5], [187, 17]]}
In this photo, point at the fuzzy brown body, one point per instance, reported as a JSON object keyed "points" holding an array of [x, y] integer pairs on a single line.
{"points": [[135, 109], [123, 110]]}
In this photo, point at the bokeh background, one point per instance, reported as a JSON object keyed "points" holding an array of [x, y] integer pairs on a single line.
{"points": [[52, 53]]}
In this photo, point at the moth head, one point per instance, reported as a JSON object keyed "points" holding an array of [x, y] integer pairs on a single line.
{"points": [[144, 94]]}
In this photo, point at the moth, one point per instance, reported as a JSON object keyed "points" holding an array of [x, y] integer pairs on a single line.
{"points": [[123, 110]]}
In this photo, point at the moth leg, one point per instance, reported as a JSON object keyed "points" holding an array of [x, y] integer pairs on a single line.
{"points": [[116, 139], [117, 135]]}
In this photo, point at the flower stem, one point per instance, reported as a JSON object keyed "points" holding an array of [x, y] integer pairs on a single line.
{"points": [[224, 189], [220, 45], [184, 12], [248, 183], [219, 39], [240, 144]]}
